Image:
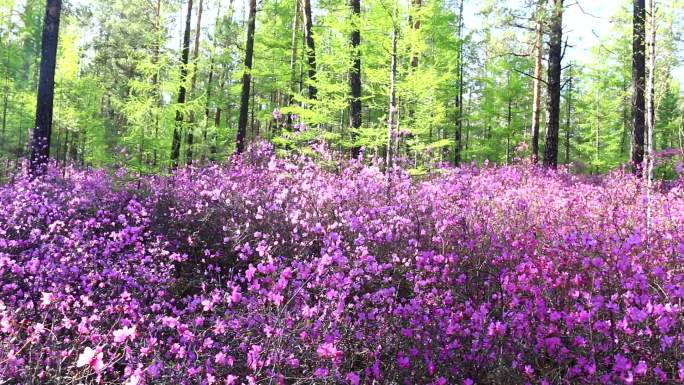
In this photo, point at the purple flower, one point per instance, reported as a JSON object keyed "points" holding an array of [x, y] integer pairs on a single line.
{"points": [[277, 115]]}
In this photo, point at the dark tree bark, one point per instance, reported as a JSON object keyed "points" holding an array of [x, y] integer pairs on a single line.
{"points": [[293, 60], [185, 56], [40, 143], [193, 85], [310, 48], [415, 25], [537, 81], [554, 84], [355, 76], [459, 97], [638, 83], [246, 80]]}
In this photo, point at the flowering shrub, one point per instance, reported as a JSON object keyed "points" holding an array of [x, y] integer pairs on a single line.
{"points": [[276, 271]]}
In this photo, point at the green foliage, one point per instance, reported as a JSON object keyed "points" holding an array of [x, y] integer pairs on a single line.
{"points": [[119, 74]]}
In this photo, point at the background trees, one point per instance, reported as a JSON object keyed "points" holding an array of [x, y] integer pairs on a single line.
{"points": [[464, 81]]}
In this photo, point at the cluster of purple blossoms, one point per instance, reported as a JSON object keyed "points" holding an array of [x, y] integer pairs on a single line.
{"points": [[278, 271]]}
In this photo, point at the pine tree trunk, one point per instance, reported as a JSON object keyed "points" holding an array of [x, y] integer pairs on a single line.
{"points": [[193, 86], [246, 80], [554, 85], [459, 97], [355, 77], [567, 123], [310, 48], [207, 111], [40, 143], [213, 147], [638, 84], [537, 82], [415, 25], [293, 61], [5, 105], [155, 79], [392, 112], [5, 96], [650, 93], [509, 121], [185, 56]]}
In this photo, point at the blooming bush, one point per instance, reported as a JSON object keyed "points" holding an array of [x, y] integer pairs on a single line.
{"points": [[276, 271]]}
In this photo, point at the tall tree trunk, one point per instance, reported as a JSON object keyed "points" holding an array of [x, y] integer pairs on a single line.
{"points": [[415, 26], [392, 112], [680, 133], [650, 92], [246, 80], [567, 122], [252, 124], [5, 105], [293, 60], [537, 81], [205, 138], [625, 121], [185, 56], [597, 138], [213, 147], [638, 83], [310, 48], [155, 79], [554, 84], [5, 96], [40, 144], [65, 148], [193, 85], [459, 97], [355, 77], [509, 120]]}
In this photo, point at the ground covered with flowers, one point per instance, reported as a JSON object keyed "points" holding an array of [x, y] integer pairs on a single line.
{"points": [[276, 271]]}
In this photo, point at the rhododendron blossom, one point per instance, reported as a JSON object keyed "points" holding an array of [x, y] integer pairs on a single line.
{"points": [[282, 270], [91, 357]]}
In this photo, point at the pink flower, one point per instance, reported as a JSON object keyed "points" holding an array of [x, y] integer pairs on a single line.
{"points": [[135, 378], [403, 362], [91, 357], [222, 358], [321, 372], [235, 295], [253, 355], [46, 299], [329, 350], [207, 305], [353, 378], [231, 379], [641, 368], [309, 312], [121, 335]]}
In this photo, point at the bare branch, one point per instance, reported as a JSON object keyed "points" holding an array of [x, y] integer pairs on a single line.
{"points": [[530, 76]]}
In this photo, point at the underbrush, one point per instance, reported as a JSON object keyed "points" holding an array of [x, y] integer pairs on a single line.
{"points": [[275, 271]]}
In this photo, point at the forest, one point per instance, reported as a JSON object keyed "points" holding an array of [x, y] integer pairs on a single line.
{"points": [[152, 85], [341, 192]]}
